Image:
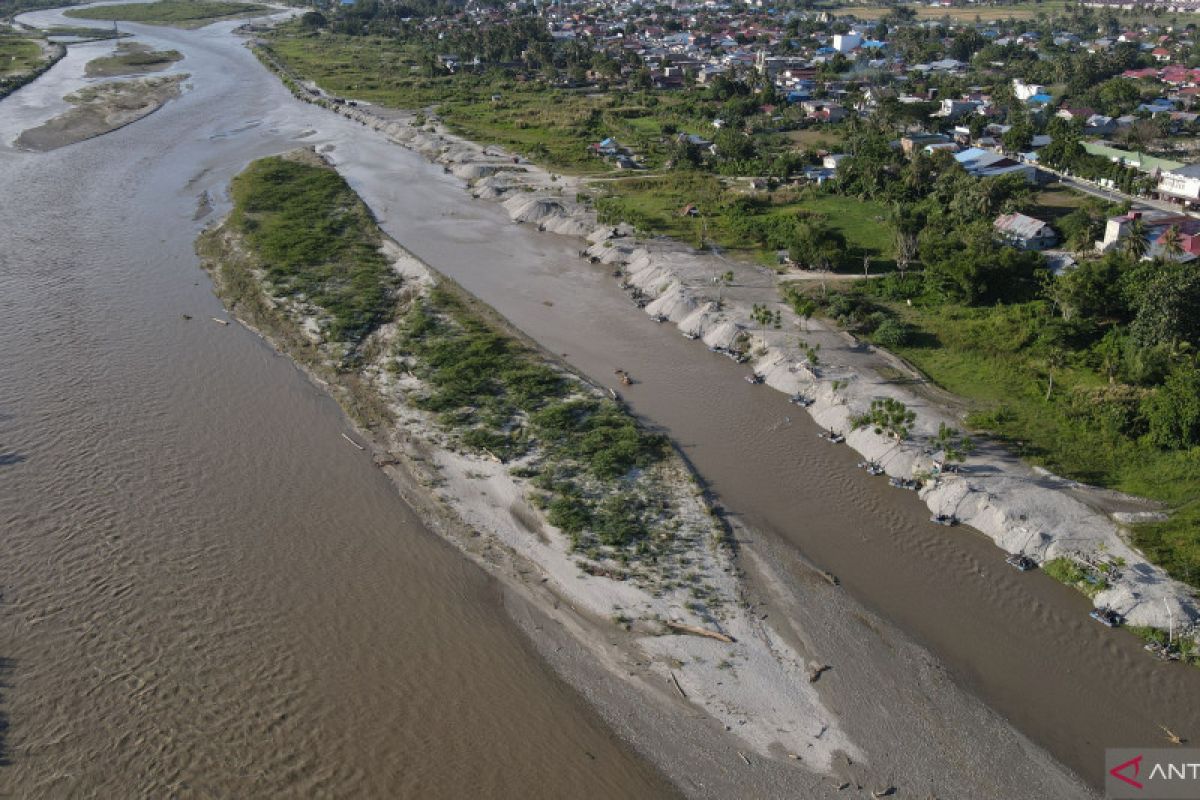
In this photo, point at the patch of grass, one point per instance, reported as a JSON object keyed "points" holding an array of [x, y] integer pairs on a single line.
{"points": [[1057, 201], [499, 396], [317, 242], [821, 137], [1175, 544], [653, 204], [860, 221], [83, 32], [170, 12], [132, 59], [19, 53], [1067, 571]]}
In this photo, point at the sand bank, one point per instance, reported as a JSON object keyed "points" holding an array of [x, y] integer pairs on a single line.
{"points": [[101, 109], [131, 58], [708, 647]]}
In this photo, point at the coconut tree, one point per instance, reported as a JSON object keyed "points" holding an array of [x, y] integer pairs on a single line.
{"points": [[1171, 243], [887, 417], [805, 309], [764, 316], [953, 447], [1137, 241]]}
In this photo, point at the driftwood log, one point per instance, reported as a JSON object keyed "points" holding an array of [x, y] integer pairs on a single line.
{"points": [[697, 631]]}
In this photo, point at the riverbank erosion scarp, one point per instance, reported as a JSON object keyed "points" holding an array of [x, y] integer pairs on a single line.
{"points": [[532, 471], [101, 109], [1022, 508]]}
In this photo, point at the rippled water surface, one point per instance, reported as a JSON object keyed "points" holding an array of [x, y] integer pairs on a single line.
{"points": [[205, 590]]}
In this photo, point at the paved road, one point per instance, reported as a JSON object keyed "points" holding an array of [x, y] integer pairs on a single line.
{"points": [[1114, 196]]}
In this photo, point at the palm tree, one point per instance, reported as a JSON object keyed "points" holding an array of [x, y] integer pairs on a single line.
{"points": [[1056, 359], [1137, 241], [1087, 235], [1170, 243], [952, 446], [888, 417], [805, 309]]}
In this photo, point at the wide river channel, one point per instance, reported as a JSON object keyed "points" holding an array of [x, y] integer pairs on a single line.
{"points": [[204, 589]]}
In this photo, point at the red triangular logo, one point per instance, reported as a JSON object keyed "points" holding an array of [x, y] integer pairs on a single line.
{"points": [[1136, 763]]}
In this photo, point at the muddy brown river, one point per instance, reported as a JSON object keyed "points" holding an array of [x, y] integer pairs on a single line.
{"points": [[207, 592]]}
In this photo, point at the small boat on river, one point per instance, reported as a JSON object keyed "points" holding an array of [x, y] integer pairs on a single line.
{"points": [[1106, 616], [1021, 562]]}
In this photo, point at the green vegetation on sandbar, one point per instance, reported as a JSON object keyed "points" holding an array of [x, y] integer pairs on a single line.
{"points": [[1064, 570], [170, 12], [501, 397], [317, 243], [132, 58], [302, 236], [83, 32]]}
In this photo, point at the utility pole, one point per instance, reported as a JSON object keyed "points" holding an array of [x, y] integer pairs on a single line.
{"points": [[1170, 623]]}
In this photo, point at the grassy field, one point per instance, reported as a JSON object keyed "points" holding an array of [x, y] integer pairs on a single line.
{"points": [[19, 53], [655, 203], [1057, 200], [821, 137], [862, 222], [180, 13], [551, 126]]}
